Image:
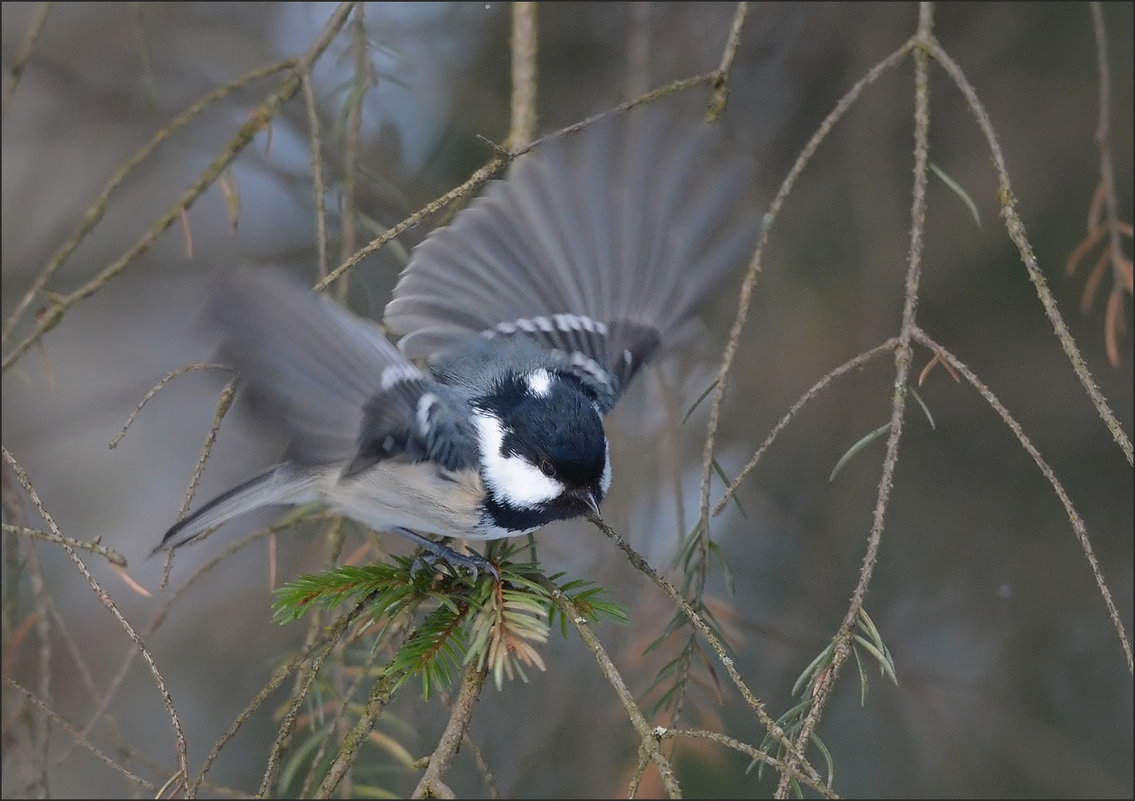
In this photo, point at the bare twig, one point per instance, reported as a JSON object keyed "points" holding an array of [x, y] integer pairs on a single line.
{"points": [[108, 602], [706, 631], [745, 748], [1122, 269], [361, 83], [20, 62], [80, 738], [720, 95], [96, 210], [376, 702], [822, 691], [158, 387], [1016, 229], [258, 120], [524, 48], [851, 364], [749, 282], [649, 749], [495, 165], [319, 190], [431, 784], [223, 404], [111, 555], [327, 643], [467, 188], [1077, 522]]}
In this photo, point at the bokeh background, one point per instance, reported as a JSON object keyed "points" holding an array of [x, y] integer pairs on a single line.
{"points": [[1012, 681]]}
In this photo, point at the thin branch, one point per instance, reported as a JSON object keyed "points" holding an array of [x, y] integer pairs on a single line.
{"points": [[41, 735], [720, 95], [1103, 127], [329, 641], [109, 554], [674, 87], [376, 702], [80, 738], [259, 119], [754, 753], [903, 356], [1077, 523], [331, 540], [648, 743], [1016, 229], [639, 563], [224, 402], [319, 189], [523, 103], [467, 188], [154, 390], [95, 211], [431, 785], [105, 599], [499, 161], [111, 690], [697, 570], [851, 364], [754, 269], [23, 56], [749, 282], [1121, 265], [352, 132]]}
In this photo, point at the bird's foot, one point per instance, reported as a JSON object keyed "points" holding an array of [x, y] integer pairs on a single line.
{"points": [[437, 553]]}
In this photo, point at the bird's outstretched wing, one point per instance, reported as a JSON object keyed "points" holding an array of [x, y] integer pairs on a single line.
{"points": [[330, 383], [597, 245]]}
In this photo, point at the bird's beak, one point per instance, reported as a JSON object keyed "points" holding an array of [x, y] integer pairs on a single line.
{"points": [[592, 501]]}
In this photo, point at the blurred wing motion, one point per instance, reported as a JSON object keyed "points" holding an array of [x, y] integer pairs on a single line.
{"points": [[586, 259], [597, 246], [331, 385]]}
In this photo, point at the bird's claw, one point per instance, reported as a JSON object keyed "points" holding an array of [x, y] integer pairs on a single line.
{"points": [[436, 553]]}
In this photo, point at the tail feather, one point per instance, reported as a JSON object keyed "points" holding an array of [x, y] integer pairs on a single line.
{"points": [[284, 483]]}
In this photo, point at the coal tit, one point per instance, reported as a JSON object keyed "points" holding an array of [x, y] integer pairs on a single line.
{"points": [[518, 327]]}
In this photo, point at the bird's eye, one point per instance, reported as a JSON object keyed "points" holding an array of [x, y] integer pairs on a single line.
{"points": [[547, 468]]}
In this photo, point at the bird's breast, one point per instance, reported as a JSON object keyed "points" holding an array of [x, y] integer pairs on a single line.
{"points": [[422, 497]]}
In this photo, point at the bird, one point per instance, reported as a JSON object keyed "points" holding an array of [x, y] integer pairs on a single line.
{"points": [[512, 331]]}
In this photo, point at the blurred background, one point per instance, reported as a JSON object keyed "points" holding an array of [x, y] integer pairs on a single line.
{"points": [[1011, 678]]}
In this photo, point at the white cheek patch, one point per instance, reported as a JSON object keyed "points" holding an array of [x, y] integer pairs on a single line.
{"points": [[510, 478]]}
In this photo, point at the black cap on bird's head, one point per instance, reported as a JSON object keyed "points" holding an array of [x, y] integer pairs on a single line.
{"points": [[544, 451]]}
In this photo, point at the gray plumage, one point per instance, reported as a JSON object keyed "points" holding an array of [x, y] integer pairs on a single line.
{"points": [[627, 226], [583, 262]]}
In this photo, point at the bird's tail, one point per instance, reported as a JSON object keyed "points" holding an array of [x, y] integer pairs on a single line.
{"points": [[284, 483]]}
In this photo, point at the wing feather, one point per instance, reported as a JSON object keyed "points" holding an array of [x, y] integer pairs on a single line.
{"points": [[330, 383], [624, 228]]}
